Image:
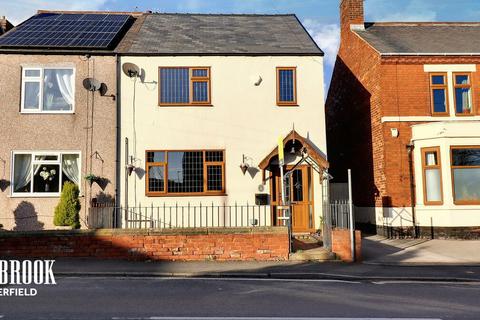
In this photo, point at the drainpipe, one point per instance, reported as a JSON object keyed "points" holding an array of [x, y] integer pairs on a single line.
{"points": [[410, 148]]}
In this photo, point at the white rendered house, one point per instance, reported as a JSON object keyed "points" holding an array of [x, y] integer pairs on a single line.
{"points": [[201, 121]]}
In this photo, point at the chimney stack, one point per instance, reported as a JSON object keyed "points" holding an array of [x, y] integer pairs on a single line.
{"points": [[5, 25], [351, 15]]}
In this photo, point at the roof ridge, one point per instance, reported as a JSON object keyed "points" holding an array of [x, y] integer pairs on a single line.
{"points": [[223, 14], [423, 23], [89, 12]]}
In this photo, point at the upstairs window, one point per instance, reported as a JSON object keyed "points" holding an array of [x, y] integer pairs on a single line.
{"points": [[432, 176], [463, 94], [466, 174], [439, 94], [185, 172], [49, 90], [286, 86], [184, 86]]}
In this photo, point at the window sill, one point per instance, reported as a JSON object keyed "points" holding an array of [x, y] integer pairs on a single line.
{"points": [[149, 194], [47, 112], [36, 195], [287, 105], [184, 105], [466, 203]]}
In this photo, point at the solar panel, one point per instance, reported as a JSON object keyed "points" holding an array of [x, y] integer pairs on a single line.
{"points": [[54, 30]]}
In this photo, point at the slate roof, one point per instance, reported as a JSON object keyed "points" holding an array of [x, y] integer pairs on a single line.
{"points": [[423, 38], [220, 34]]}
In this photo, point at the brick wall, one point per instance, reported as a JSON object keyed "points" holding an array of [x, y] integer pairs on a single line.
{"points": [[353, 119], [341, 244], [262, 244]]}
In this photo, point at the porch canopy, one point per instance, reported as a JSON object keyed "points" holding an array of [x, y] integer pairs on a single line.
{"points": [[302, 147]]}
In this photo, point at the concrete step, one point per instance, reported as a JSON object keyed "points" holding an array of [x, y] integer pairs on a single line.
{"points": [[317, 254]]}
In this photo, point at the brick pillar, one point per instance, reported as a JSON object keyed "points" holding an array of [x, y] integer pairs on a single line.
{"points": [[351, 14]]}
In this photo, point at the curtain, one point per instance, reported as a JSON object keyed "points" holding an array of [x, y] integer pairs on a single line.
{"points": [[22, 171], [65, 84], [431, 159], [70, 167], [465, 99]]}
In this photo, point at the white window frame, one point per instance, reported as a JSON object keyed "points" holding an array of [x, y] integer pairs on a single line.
{"points": [[33, 154], [40, 79]]}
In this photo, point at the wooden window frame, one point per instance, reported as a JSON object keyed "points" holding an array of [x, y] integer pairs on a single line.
{"points": [[452, 167], [287, 103], [438, 166], [439, 86], [455, 86], [191, 80], [205, 192]]}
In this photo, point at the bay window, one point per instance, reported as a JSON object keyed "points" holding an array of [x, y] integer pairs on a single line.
{"points": [[49, 90], [466, 174], [44, 173], [185, 172], [432, 176]]}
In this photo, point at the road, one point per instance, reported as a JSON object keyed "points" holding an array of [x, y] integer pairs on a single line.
{"points": [[157, 298]]}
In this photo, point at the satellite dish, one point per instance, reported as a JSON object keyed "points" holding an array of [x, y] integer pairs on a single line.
{"points": [[91, 84], [103, 89], [131, 70]]}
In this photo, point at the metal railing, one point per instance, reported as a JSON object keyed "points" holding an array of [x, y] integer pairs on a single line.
{"points": [[339, 211], [196, 216]]}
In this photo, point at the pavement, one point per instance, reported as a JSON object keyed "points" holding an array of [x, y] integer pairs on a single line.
{"points": [[383, 260], [380, 250]]}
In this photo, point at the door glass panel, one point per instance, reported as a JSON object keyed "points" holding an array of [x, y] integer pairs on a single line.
{"points": [[297, 185]]}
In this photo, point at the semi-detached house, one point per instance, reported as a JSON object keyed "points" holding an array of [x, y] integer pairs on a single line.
{"points": [[403, 112], [203, 112], [54, 129]]}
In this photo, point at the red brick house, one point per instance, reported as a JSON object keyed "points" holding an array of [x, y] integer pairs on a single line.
{"points": [[403, 112]]}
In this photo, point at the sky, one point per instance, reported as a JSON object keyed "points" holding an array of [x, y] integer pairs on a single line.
{"points": [[320, 17]]}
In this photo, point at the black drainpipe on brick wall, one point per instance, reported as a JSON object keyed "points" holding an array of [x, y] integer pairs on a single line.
{"points": [[410, 148]]}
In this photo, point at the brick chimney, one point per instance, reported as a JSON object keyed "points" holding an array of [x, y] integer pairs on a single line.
{"points": [[351, 15], [5, 25]]}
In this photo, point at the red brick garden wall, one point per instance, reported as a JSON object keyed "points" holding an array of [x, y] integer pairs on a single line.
{"points": [[341, 244], [262, 244]]}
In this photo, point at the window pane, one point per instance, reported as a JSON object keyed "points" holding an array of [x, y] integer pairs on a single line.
{"points": [[174, 85], [463, 98], [46, 157], [156, 179], [32, 95], [58, 89], [439, 100], [200, 91], [297, 181], [431, 158], [438, 80], [32, 73], [199, 73], [156, 156], [214, 178], [286, 85], [185, 172], [46, 178], [214, 156], [466, 157], [22, 172], [432, 185], [462, 79], [467, 184]]}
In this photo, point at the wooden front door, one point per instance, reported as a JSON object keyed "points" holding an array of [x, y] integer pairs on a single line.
{"points": [[301, 198], [299, 193]]}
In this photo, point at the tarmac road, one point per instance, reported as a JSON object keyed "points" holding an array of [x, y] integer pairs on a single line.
{"points": [[167, 298]]}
